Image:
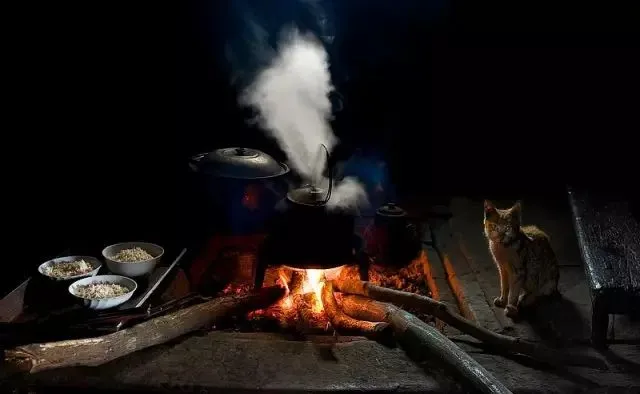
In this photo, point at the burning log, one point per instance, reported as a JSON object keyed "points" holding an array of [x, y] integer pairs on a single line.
{"points": [[341, 322], [308, 321], [422, 341], [441, 311], [100, 350]]}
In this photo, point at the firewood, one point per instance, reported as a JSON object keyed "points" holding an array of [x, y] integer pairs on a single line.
{"points": [[424, 342], [346, 324], [100, 350], [308, 321], [441, 311]]}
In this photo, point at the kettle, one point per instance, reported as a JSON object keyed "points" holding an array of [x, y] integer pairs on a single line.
{"points": [[396, 239], [307, 234]]}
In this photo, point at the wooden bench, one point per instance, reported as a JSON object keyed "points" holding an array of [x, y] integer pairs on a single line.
{"points": [[609, 241]]}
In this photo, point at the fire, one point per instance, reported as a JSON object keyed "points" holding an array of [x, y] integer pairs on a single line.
{"points": [[302, 304], [287, 301], [313, 282]]}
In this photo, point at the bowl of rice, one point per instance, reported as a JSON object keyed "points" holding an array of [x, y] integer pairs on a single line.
{"points": [[70, 267], [103, 291], [132, 258]]}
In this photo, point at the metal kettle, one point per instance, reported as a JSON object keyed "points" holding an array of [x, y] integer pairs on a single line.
{"points": [[307, 234], [396, 238]]}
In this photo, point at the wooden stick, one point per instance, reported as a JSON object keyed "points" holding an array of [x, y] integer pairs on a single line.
{"points": [[422, 342], [441, 311], [344, 323], [97, 351]]}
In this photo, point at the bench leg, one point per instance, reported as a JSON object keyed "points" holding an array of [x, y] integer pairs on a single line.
{"points": [[599, 323]]}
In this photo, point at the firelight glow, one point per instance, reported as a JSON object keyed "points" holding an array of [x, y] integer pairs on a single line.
{"points": [[313, 281]]}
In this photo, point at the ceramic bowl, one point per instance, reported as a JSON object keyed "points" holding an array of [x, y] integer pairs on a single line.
{"points": [[132, 269], [94, 262], [104, 303]]}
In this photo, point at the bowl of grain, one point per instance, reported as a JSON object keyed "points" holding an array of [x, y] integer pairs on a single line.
{"points": [[103, 291], [70, 267], [132, 258]]}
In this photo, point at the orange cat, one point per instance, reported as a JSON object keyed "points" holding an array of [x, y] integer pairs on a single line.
{"points": [[527, 265]]}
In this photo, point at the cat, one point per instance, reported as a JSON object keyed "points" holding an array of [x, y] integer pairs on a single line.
{"points": [[527, 265]]}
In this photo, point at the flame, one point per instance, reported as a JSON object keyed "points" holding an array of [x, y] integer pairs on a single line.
{"points": [[313, 282]]}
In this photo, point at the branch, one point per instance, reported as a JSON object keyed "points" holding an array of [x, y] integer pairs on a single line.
{"points": [[100, 350], [441, 311], [422, 341]]}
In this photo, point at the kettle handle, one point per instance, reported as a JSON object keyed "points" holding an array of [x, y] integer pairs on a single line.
{"points": [[326, 199]]}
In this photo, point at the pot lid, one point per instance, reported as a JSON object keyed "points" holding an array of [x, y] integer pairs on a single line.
{"points": [[391, 210], [308, 195], [242, 163]]}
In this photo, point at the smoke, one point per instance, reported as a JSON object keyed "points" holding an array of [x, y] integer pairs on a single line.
{"points": [[291, 97], [349, 194]]}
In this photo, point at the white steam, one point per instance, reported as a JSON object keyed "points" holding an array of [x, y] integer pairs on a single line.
{"points": [[291, 96]]}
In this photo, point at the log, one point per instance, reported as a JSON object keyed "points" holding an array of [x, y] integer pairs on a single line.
{"points": [[308, 321], [441, 311], [100, 350], [343, 323], [423, 342]]}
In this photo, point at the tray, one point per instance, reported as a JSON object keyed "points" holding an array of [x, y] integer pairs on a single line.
{"points": [[38, 297]]}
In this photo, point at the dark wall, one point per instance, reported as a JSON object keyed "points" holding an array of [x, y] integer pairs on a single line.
{"points": [[109, 101]]}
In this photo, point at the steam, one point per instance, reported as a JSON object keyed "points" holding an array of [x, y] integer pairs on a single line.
{"points": [[349, 194], [291, 96]]}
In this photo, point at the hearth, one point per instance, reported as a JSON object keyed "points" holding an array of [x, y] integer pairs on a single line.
{"points": [[236, 264]]}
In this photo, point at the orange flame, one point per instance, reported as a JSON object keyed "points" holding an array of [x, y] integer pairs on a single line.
{"points": [[312, 282]]}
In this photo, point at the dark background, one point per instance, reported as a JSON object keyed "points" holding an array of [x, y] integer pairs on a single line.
{"points": [[108, 100]]}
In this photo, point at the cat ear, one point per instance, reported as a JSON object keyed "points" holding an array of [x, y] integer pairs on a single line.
{"points": [[517, 207], [489, 207], [516, 210]]}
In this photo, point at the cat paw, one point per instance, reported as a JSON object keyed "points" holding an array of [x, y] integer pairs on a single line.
{"points": [[511, 311], [499, 302]]}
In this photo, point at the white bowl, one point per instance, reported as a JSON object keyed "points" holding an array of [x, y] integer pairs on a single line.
{"points": [[132, 269], [104, 303], [95, 264]]}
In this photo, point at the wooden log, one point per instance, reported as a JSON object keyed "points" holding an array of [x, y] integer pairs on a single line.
{"points": [[309, 322], [441, 311], [99, 350], [423, 342], [343, 323]]}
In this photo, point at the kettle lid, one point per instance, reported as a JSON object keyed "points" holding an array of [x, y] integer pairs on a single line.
{"points": [[308, 195], [241, 163], [391, 210]]}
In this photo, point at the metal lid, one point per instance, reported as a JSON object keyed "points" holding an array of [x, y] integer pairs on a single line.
{"points": [[308, 195], [391, 210], [242, 163]]}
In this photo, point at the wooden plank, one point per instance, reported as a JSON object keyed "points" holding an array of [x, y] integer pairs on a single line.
{"points": [[605, 242]]}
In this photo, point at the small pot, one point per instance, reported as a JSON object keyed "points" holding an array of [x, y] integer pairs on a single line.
{"points": [[241, 186], [396, 239]]}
